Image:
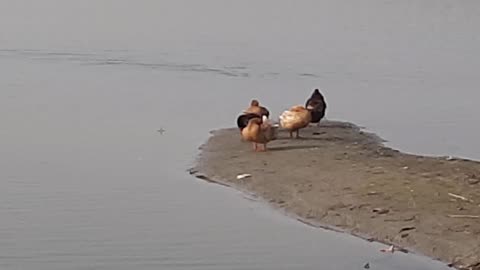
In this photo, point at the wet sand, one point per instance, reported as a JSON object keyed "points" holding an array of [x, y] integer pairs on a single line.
{"points": [[341, 178]]}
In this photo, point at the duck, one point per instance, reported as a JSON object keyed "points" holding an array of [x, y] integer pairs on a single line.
{"points": [[294, 119], [257, 109], [259, 131], [316, 105]]}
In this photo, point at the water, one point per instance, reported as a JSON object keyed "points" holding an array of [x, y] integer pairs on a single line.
{"points": [[88, 182]]}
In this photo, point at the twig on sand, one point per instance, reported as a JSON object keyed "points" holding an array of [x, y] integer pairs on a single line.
{"points": [[459, 197], [380, 211], [463, 216]]}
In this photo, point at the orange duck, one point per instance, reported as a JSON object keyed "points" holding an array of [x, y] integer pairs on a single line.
{"points": [[259, 131]]}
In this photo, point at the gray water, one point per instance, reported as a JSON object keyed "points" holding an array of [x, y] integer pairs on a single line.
{"points": [[89, 183]]}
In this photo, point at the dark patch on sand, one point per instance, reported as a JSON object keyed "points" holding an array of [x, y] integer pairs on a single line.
{"points": [[339, 177]]}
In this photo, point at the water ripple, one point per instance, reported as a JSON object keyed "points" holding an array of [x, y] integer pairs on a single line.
{"points": [[105, 58]]}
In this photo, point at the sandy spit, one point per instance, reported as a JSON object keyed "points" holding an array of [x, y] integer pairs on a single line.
{"points": [[342, 178]]}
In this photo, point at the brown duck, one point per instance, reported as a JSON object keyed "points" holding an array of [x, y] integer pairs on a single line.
{"points": [[259, 131]]}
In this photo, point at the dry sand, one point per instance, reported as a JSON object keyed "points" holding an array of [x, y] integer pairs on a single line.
{"points": [[339, 177]]}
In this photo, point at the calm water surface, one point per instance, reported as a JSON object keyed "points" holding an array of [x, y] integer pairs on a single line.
{"points": [[88, 182]]}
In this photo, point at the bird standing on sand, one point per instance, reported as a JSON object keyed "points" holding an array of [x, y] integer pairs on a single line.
{"points": [[294, 119], [254, 111], [316, 105], [259, 131]]}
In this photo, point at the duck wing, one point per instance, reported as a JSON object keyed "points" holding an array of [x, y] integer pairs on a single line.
{"points": [[242, 120], [317, 109], [289, 116]]}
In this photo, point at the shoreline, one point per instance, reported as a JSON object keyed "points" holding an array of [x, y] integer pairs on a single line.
{"points": [[338, 177]]}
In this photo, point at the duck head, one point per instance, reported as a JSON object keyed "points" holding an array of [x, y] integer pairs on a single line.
{"points": [[316, 93]]}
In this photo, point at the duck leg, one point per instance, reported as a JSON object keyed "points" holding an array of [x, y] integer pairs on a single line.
{"points": [[298, 135], [264, 147], [254, 146], [291, 134]]}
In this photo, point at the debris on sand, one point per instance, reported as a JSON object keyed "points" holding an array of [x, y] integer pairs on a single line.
{"points": [[390, 249], [463, 216], [459, 197], [408, 228], [245, 175], [380, 211]]}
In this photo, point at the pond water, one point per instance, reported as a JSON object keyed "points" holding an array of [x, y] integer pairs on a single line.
{"points": [[89, 183]]}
